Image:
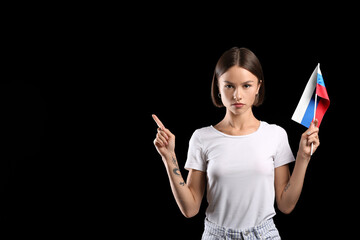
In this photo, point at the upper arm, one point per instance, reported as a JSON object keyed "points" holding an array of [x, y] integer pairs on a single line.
{"points": [[196, 181], [282, 177]]}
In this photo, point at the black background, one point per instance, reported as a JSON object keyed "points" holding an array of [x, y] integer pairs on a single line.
{"points": [[83, 86]]}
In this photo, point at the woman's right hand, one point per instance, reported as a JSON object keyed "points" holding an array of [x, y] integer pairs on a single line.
{"points": [[165, 140]]}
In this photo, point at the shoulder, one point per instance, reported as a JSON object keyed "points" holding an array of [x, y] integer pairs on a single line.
{"points": [[203, 134], [202, 131], [274, 129]]}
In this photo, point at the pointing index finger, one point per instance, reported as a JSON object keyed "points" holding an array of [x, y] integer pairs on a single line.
{"points": [[158, 122]]}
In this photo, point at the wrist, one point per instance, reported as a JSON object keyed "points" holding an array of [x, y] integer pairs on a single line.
{"points": [[303, 157], [168, 157]]}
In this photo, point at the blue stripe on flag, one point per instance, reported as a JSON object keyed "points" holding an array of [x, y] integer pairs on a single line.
{"points": [[309, 113], [320, 80]]}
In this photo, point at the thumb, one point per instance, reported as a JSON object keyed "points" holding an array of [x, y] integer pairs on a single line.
{"points": [[313, 123], [316, 122], [312, 128]]}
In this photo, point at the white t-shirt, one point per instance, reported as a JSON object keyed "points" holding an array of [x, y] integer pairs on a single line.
{"points": [[240, 172]]}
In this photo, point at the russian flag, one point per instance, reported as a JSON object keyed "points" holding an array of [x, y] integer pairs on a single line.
{"points": [[304, 112]]}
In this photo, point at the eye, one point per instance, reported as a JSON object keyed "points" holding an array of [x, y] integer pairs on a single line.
{"points": [[247, 86], [228, 86]]}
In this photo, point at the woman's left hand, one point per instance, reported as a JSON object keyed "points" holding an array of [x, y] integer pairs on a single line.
{"points": [[311, 136]]}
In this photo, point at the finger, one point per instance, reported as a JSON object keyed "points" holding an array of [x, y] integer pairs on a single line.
{"points": [[312, 129], [313, 132], [313, 140], [316, 122], [315, 145], [158, 122], [162, 138], [158, 142], [163, 133]]}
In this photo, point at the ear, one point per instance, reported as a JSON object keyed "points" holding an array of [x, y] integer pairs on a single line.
{"points": [[259, 85]]}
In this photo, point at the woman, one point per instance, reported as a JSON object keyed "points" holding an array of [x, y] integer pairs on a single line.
{"points": [[243, 161]]}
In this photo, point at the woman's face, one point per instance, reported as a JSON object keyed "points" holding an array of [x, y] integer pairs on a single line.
{"points": [[238, 88]]}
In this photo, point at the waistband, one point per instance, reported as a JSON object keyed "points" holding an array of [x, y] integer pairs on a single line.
{"points": [[258, 230]]}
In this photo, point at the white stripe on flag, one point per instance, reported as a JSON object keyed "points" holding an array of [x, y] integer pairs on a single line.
{"points": [[306, 97]]}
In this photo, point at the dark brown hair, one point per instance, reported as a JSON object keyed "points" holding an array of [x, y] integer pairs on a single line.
{"points": [[241, 57]]}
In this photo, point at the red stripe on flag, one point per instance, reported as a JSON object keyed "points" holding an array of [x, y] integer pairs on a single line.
{"points": [[321, 91], [321, 108]]}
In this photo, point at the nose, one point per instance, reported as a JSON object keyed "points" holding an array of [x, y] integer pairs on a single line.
{"points": [[237, 95]]}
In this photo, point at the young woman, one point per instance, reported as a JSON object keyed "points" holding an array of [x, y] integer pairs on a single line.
{"points": [[242, 161]]}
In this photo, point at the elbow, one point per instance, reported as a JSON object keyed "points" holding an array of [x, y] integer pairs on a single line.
{"points": [[286, 209], [190, 213]]}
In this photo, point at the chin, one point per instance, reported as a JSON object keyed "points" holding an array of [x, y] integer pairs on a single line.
{"points": [[238, 111]]}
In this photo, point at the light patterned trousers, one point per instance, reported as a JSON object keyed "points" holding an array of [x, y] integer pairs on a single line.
{"points": [[266, 230]]}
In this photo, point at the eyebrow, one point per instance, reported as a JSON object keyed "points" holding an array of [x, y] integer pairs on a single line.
{"points": [[250, 81]]}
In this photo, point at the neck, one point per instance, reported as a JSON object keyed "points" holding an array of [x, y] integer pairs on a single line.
{"points": [[240, 121]]}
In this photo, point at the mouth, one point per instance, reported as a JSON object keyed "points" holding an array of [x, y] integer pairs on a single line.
{"points": [[238, 105]]}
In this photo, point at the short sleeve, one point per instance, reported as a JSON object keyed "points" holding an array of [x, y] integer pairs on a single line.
{"points": [[195, 159], [284, 154]]}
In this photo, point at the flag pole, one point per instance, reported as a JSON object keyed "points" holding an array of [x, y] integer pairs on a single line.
{"points": [[312, 145]]}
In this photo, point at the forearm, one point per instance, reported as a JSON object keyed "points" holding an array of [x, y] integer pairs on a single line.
{"points": [[182, 193], [292, 190]]}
